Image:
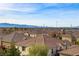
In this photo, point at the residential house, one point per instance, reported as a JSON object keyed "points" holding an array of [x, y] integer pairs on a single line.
{"points": [[66, 44], [67, 37], [53, 44], [12, 37], [76, 36]]}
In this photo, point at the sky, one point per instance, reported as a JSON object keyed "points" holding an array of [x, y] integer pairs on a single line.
{"points": [[40, 14]]}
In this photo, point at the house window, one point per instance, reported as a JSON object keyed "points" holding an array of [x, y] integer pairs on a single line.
{"points": [[23, 48], [52, 51]]}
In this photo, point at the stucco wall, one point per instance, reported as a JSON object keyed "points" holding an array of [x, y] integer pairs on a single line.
{"points": [[77, 39], [25, 52], [67, 38]]}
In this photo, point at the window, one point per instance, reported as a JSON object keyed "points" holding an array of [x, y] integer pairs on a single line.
{"points": [[23, 48]]}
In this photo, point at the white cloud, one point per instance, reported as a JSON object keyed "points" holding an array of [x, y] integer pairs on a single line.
{"points": [[4, 6], [41, 22], [29, 22], [21, 9], [7, 20], [10, 7]]}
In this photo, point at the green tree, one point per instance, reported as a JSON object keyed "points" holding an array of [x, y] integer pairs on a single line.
{"points": [[38, 50], [2, 52], [77, 42], [13, 51]]}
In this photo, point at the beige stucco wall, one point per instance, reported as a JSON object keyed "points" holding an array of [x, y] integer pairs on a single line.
{"points": [[6, 44], [67, 38], [23, 53], [77, 39]]}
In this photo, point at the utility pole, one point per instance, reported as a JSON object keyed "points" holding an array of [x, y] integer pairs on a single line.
{"points": [[71, 28], [71, 25], [43, 25]]}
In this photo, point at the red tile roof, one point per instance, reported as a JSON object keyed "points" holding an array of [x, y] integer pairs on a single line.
{"points": [[41, 39], [73, 50]]}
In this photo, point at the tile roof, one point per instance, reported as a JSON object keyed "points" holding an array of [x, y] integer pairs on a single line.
{"points": [[73, 50], [41, 39], [15, 36], [66, 35]]}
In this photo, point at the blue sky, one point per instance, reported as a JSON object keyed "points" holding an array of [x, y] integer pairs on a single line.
{"points": [[40, 14]]}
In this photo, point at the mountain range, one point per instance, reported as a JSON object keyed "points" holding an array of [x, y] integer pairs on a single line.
{"points": [[8, 25]]}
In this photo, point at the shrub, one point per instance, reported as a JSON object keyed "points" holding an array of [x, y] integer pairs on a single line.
{"points": [[12, 51], [38, 50]]}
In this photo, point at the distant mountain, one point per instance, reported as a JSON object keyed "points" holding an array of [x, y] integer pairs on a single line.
{"points": [[8, 25]]}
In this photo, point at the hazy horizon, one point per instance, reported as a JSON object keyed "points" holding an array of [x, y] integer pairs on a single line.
{"points": [[40, 14]]}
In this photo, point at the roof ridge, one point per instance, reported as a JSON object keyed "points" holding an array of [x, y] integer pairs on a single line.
{"points": [[13, 36]]}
